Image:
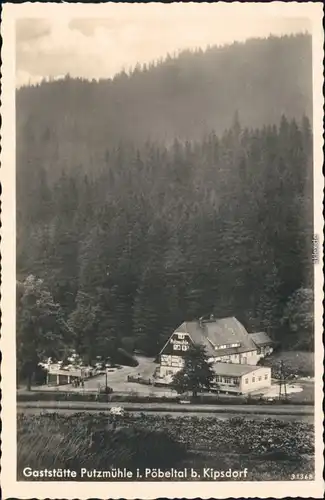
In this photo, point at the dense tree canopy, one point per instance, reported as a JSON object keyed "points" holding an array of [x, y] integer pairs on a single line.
{"points": [[41, 329], [298, 318], [136, 238], [73, 123]]}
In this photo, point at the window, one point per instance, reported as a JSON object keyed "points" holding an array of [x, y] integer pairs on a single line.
{"points": [[223, 346], [265, 376], [165, 360], [253, 379], [246, 380], [176, 361], [259, 379]]}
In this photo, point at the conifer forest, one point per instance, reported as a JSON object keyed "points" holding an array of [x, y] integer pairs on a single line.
{"points": [[174, 190]]}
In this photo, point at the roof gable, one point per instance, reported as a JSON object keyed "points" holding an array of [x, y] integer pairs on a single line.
{"points": [[182, 328], [198, 337]]}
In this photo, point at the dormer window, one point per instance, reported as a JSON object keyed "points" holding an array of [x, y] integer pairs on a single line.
{"points": [[227, 346]]}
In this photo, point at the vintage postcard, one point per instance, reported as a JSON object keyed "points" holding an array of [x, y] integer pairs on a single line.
{"points": [[162, 238]]}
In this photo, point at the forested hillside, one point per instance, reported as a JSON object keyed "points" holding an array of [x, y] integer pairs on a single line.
{"points": [[72, 123], [134, 237]]}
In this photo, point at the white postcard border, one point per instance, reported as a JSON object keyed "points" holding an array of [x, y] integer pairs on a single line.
{"points": [[145, 490]]}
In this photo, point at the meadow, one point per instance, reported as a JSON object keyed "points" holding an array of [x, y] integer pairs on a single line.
{"points": [[270, 449], [299, 363]]}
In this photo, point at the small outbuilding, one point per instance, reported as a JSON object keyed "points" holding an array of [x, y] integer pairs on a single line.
{"points": [[63, 377], [241, 379]]}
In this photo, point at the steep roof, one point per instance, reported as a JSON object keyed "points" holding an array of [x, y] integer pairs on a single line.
{"points": [[219, 332], [198, 337], [260, 338], [234, 369], [227, 330]]}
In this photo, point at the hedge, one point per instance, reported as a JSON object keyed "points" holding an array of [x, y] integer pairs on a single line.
{"points": [[134, 398]]}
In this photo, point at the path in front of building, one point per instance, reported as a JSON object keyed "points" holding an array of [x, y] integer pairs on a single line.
{"points": [[116, 379]]}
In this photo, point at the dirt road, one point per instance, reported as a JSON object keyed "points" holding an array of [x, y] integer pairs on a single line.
{"points": [[173, 414], [172, 408]]}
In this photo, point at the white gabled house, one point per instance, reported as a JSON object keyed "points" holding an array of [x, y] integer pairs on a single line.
{"points": [[226, 342]]}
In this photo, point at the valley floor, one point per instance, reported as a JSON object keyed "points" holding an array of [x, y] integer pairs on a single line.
{"points": [[301, 390]]}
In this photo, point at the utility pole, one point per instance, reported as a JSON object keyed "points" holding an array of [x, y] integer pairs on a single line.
{"points": [[106, 386], [283, 383]]}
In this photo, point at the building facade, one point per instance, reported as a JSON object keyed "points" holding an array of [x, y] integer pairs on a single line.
{"points": [[225, 341], [60, 376], [241, 379], [263, 342]]}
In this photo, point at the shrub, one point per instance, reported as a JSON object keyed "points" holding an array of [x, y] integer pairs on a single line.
{"points": [[106, 390], [236, 421]]}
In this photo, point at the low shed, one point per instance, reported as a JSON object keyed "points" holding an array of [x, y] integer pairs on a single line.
{"points": [[62, 377], [241, 379]]}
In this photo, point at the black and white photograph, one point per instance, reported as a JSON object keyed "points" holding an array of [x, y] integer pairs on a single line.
{"points": [[167, 226]]}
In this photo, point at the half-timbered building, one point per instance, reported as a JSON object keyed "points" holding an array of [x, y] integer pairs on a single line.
{"points": [[225, 341]]}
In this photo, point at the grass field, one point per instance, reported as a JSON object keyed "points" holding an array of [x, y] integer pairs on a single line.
{"points": [[300, 363], [271, 449]]}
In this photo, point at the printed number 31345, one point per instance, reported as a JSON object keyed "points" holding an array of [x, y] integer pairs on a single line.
{"points": [[302, 477]]}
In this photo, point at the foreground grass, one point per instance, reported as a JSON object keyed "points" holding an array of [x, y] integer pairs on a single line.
{"points": [[271, 449]]}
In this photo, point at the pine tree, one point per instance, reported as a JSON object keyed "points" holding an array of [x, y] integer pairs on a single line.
{"points": [[197, 374], [41, 329]]}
